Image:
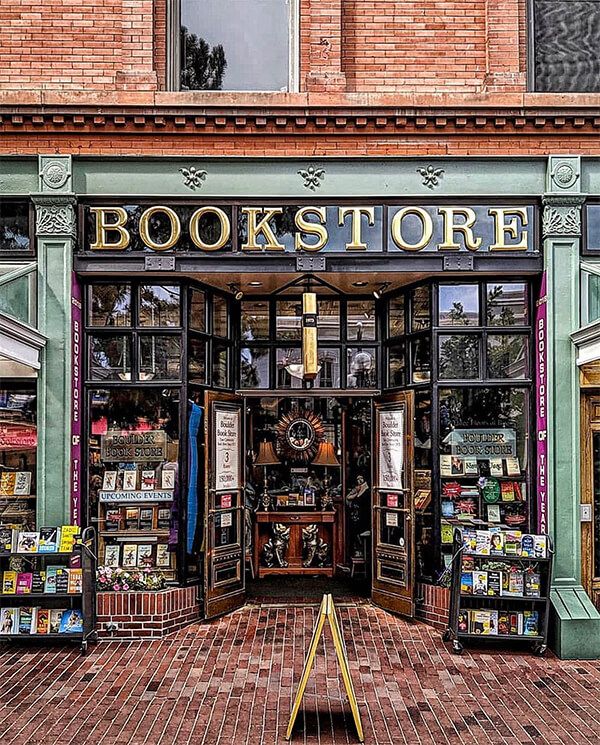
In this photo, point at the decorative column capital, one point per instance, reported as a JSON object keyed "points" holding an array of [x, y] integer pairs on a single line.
{"points": [[55, 215], [562, 215]]}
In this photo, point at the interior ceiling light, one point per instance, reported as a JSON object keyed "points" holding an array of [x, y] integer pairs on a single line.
{"points": [[380, 290], [255, 283], [359, 284]]}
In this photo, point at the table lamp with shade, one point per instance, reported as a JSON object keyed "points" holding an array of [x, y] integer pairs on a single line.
{"points": [[266, 457], [326, 457]]}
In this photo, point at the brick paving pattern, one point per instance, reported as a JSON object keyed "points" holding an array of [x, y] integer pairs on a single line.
{"points": [[231, 682]]}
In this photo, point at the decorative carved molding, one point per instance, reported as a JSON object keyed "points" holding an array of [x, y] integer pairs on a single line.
{"points": [[193, 177], [562, 216], [54, 175], [55, 216], [431, 176], [312, 177], [564, 175]]}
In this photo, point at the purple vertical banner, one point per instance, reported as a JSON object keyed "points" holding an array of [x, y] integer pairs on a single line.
{"points": [[76, 399], [541, 406]]}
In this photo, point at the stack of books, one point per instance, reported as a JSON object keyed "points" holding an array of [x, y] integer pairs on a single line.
{"points": [[44, 541], [499, 622], [29, 620]]}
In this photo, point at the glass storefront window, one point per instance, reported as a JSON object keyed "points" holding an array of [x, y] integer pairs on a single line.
{"points": [[220, 316], [396, 316], [360, 320], [507, 304], [197, 310], [361, 370], [110, 357], [254, 367], [459, 357], [159, 305], [507, 356], [328, 319], [458, 305], [14, 227], [255, 319], [420, 353], [329, 374], [18, 456], [220, 365], [420, 309], [289, 319], [110, 305], [197, 361], [289, 368], [160, 357], [396, 366]]}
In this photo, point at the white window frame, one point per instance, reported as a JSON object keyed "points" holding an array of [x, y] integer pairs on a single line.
{"points": [[173, 57]]}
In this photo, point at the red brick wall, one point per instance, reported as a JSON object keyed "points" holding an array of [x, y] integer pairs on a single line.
{"points": [[432, 605]]}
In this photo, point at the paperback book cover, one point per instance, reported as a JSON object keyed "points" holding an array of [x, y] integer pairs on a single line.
{"points": [[527, 545], [484, 542], [513, 584], [9, 583], [447, 508], [512, 543], [129, 480], [111, 555], [27, 542], [146, 518], [67, 537], [130, 555], [495, 466], [71, 622], [6, 541], [9, 619], [22, 484], [497, 543], [466, 583], [513, 467], [7, 483], [113, 519], [503, 622], [516, 623], [507, 491], [540, 547], [530, 623], [62, 580], [493, 513], [148, 480], [163, 556], [445, 466], [463, 622], [42, 621], [532, 584], [54, 622], [24, 582], [25, 619], [484, 622], [471, 468], [132, 517], [50, 581], [167, 479], [144, 555], [48, 540], [446, 533], [109, 482], [75, 581], [480, 583], [469, 540], [38, 582], [494, 583], [164, 519]]}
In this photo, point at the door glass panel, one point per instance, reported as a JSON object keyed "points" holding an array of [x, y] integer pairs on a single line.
{"points": [[289, 368], [198, 310], [226, 529], [220, 327], [420, 309], [220, 366], [197, 361]]}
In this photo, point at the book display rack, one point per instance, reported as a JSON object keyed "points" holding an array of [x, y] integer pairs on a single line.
{"points": [[48, 580], [500, 587]]}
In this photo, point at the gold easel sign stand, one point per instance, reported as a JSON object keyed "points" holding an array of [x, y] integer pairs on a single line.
{"points": [[327, 612]]}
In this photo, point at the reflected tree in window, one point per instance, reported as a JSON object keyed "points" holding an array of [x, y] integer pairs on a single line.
{"points": [[202, 67]]}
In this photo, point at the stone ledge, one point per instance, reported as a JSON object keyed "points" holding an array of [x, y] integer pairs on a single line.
{"points": [[574, 624]]}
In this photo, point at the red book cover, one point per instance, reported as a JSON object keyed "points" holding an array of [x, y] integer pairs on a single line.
{"points": [[24, 582]]}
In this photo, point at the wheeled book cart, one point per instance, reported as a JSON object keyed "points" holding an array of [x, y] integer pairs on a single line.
{"points": [[515, 604], [84, 556]]}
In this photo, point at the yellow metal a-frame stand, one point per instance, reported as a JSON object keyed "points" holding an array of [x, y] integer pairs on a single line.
{"points": [[327, 612]]}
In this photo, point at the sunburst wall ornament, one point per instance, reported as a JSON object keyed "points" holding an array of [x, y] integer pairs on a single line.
{"points": [[298, 435]]}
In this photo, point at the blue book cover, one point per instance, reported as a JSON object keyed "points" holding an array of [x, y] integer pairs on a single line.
{"points": [[50, 582], [71, 622]]}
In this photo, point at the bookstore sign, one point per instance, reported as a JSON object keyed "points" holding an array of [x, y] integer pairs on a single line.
{"points": [[133, 446], [483, 443]]}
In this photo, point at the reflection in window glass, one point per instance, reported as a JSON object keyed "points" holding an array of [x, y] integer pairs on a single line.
{"points": [[328, 319], [420, 311], [220, 366], [361, 370], [254, 367], [110, 357], [197, 310], [14, 226], [329, 373], [289, 368], [255, 319], [220, 308], [110, 305], [197, 361], [361, 320], [159, 305], [421, 359], [289, 319], [396, 366], [396, 315], [458, 357], [235, 45], [160, 357], [458, 305], [507, 356], [507, 304]]}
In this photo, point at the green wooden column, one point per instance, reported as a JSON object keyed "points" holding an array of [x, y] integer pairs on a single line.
{"points": [[55, 232], [575, 620]]}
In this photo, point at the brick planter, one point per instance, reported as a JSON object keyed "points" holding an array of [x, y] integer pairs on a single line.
{"points": [[146, 614], [434, 607]]}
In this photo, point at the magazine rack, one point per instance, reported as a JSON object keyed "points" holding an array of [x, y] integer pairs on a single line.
{"points": [[514, 605], [83, 555]]}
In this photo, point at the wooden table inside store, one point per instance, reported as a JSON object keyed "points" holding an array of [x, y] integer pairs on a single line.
{"points": [[298, 552]]}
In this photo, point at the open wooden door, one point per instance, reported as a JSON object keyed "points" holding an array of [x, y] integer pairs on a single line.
{"points": [[392, 502], [224, 581]]}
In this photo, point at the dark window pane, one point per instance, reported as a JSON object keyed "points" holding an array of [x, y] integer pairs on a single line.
{"points": [[197, 310], [420, 351], [110, 358], [361, 320], [14, 226], [420, 309], [329, 373], [396, 366], [254, 363], [255, 319], [458, 305], [197, 360], [110, 305], [507, 356], [328, 319], [361, 368], [220, 312], [289, 368], [159, 305], [459, 357], [160, 357], [289, 318], [507, 304], [235, 45], [396, 316], [220, 366]]}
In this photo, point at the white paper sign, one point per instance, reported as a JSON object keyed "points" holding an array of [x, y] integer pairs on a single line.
{"points": [[227, 446], [391, 449], [226, 520], [391, 519]]}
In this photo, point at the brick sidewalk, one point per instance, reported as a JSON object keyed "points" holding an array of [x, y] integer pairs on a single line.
{"points": [[231, 682]]}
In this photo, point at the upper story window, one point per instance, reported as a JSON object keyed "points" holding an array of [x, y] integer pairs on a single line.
{"points": [[565, 35], [235, 45]]}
